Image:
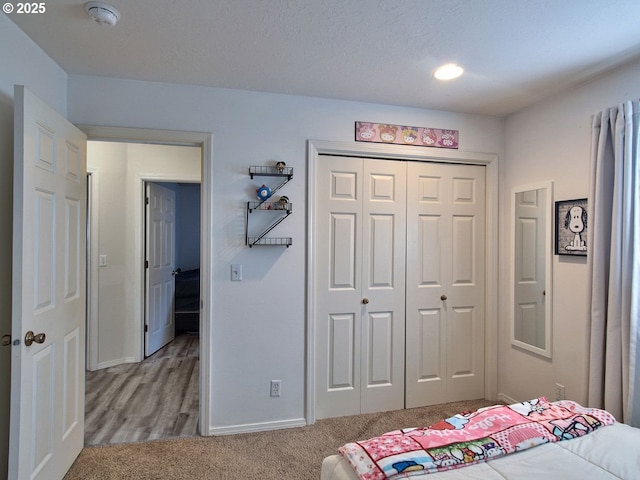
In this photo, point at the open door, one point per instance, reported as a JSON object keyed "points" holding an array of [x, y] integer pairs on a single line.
{"points": [[160, 262], [47, 361]]}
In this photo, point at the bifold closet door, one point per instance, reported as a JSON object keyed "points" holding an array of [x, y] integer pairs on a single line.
{"points": [[360, 237], [445, 302]]}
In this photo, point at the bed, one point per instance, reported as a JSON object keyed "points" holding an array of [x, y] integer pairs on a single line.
{"points": [[602, 450]]}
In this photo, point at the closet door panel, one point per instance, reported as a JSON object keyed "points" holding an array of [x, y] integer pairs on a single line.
{"points": [[341, 351], [428, 250], [338, 269], [383, 286], [427, 241], [465, 290], [465, 362], [342, 255], [382, 242], [379, 327], [446, 278]]}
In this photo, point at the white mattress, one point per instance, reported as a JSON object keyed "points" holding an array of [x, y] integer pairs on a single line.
{"points": [[611, 452]]}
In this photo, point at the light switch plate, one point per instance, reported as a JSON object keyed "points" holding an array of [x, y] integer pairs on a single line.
{"points": [[236, 272]]}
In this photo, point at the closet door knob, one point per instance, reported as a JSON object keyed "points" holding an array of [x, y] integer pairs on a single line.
{"points": [[443, 297], [365, 301]]}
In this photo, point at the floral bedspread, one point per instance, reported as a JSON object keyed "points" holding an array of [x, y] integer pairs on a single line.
{"points": [[472, 437]]}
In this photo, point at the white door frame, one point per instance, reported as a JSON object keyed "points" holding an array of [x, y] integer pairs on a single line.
{"points": [[203, 140], [315, 148], [91, 341]]}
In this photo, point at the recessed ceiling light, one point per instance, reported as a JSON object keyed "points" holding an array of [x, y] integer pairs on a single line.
{"points": [[448, 71]]}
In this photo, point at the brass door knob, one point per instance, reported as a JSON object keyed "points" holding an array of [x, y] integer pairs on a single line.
{"points": [[6, 340], [443, 297], [365, 301], [30, 337]]}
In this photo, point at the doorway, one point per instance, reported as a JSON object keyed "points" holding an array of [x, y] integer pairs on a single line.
{"points": [[116, 339]]}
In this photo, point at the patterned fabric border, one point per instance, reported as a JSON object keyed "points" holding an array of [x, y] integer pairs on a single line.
{"points": [[405, 135]]}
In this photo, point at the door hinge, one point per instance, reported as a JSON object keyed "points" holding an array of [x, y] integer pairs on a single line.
{"points": [[146, 328], [146, 200], [146, 264]]}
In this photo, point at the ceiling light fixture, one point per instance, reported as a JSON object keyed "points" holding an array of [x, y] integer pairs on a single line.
{"points": [[448, 71], [102, 13]]}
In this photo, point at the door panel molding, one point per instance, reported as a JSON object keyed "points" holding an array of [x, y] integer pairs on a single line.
{"points": [[316, 148]]}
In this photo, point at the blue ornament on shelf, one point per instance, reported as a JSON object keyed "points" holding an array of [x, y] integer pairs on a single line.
{"points": [[263, 193]]}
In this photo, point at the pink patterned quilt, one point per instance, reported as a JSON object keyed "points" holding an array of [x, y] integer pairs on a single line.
{"points": [[472, 437]]}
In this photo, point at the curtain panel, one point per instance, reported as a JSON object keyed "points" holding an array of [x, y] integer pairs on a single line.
{"points": [[614, 262]]}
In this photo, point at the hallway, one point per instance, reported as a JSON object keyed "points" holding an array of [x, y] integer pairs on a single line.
{"points": [[151, 400]]}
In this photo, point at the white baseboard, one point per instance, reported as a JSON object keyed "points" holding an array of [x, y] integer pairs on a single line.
{"points": [[506, 399], [116, 362], [257, 427]]}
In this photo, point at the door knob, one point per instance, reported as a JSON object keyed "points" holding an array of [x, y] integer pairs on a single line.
{"points": [[176, 272], [30, 337], [6, 340], [365, 301], [443, 297]]}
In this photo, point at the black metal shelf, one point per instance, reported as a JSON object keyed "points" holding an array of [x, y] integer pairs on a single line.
{"points": [[270, 171], [271, 241], [264, 206]]}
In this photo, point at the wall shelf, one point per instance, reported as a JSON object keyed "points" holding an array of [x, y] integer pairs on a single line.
{"points": [[276, 208]]}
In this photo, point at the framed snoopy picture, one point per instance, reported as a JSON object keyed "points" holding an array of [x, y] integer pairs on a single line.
{"points": [[571, 227]]}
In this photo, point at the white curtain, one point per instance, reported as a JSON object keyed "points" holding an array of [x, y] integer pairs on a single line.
{"points": [[613, 240]]}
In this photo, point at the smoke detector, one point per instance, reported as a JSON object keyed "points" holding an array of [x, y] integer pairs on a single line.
{"points": [[102, 13]]}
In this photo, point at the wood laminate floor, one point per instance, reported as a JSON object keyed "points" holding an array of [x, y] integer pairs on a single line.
{"points": [[154, 399]]}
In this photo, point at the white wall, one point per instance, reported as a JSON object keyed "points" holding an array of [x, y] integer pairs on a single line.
{"points": [[119, 169], [551, 141], [188, 226], [23, 63], [259, 323]]}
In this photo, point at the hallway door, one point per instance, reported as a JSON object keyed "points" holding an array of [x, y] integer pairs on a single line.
{"points": [[48, 291], [161, 267]]}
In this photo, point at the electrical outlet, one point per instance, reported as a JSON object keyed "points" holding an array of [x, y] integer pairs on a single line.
{"points": [[275, 388], [560, 392]]}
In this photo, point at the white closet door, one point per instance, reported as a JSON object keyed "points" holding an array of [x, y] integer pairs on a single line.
{"points": [[360, 257], [445, 283], [384, 211]]}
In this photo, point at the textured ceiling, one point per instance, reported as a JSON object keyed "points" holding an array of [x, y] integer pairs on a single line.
{"points": [[383, 51]]}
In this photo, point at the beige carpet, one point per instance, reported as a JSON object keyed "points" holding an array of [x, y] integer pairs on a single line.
{"points": [[292, 454]]}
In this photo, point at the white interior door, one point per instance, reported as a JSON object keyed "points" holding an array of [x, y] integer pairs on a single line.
{"points": [[161, 260], [445, 283], [360, 232], [48, 291], [530, 239]]}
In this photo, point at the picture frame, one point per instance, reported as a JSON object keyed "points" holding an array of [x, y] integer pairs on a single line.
{"points": [[571, 227], [406, 135]]}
